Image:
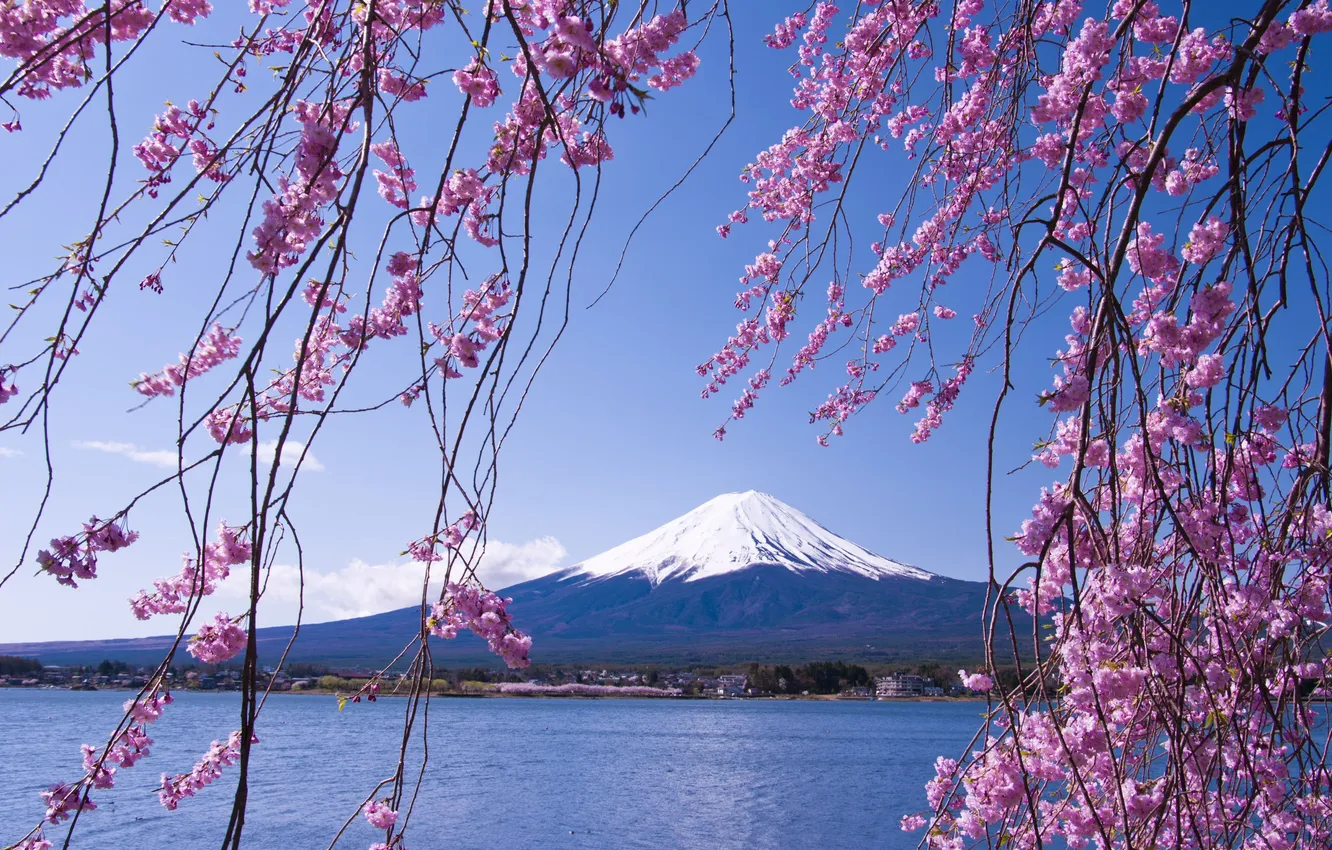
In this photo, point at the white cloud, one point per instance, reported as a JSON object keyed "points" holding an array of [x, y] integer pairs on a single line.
{"points": [[360, 589], [505, 564], [7, 452], [161, 457], [291, 452]]}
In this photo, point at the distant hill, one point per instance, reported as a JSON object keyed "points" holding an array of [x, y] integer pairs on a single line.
{"points": [[743, 577]]}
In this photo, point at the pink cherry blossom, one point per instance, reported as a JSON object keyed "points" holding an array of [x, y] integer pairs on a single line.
{"points": [[72, 558], [208, 769], [217, 641], [975, 681], [379, 815], [215, 347], [172, 595], [485, 614]]}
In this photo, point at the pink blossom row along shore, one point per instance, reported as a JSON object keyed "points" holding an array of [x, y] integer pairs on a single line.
{"points": [[526, 689]]}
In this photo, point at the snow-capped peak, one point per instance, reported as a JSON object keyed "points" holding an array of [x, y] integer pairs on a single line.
{"points": [[735, 531]]}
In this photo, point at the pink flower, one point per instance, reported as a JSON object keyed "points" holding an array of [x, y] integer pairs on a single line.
{"points": [[293, 217], [218, 641], [1196, 55], [560, 64], [172, 595], [216, 346], [401, 87], [486, 614], [785, 33], [1312, 19], [1210, 371], [209, 768], [1206, 240], [1277, 37], [914, 395], [159, 151], [1148, 258], [71, 558], [228, 425], [63, 800], [675, 71], [7, 391], [911, 823], [380, 815], [188, 11], [1270, 418], [1243, 105], [975, 681], [394, 186], [906, 324], [478, 82]]}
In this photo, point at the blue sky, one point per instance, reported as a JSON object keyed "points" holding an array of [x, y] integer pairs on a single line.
{"points": [[614, 439]]}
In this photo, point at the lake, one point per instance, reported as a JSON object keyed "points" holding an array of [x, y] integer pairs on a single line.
{"points": [[511, 773]]}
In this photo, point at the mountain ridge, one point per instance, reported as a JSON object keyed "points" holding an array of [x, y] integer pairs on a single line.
{"points": [[743, 577]]}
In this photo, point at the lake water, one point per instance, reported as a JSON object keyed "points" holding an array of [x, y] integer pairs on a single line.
{"points": [[506, 773]]}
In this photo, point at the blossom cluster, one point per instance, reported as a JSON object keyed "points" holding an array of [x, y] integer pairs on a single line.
{"points": [[207, 770], [132, 743], [53, 41], [75, 557], [217, 346], [172, 595], [486, 614], [158, 153], [1183, 567], [7, 391], [380, 815], [218, 641], [975, 681], [480, 320], [561, 47], [293, 217], [864, 90], [424, 550]]}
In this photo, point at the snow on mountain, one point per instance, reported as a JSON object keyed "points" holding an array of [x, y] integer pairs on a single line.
{"points": [[735, 531]]}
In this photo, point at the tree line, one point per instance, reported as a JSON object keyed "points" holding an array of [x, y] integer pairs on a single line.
{"points": [[13, 665], [816, 677]]}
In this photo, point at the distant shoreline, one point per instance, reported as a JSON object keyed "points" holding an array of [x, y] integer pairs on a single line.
{"points": [[319, 692], [316, 692]]}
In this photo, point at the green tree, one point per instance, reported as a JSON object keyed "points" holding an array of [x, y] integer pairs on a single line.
{"points": [[13, 665]]}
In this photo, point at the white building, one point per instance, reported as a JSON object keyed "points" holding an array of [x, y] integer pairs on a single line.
{"points": [[731, 686], [904, 685]]}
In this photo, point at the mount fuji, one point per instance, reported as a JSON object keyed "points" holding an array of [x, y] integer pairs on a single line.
{"points": [[734, 532], [742, 577]]}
